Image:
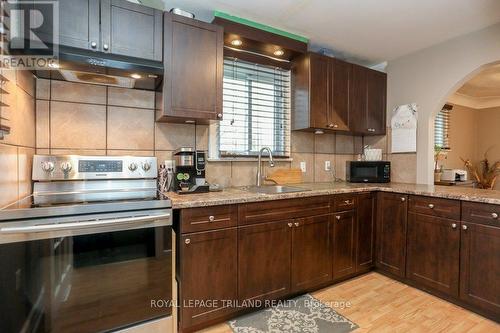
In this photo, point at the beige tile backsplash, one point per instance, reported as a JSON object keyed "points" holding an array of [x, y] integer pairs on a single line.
{"points": [[97, 120]]}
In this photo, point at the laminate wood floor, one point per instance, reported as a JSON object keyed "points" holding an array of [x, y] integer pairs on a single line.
{"points": [[379, 304]]}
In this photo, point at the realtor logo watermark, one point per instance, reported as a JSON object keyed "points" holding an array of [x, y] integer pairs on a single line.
{"points": [[31, 34]]}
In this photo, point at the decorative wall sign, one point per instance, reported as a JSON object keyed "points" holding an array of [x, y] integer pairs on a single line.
{"points": [[404, 129]]}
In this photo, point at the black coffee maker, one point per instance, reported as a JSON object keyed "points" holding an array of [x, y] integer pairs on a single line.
{"points": [[189, 175]]}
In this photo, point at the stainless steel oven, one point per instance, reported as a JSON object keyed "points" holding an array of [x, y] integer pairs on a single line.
{"points": [[85, 265]]}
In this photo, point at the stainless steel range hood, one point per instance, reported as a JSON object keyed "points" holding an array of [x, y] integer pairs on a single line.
{"points": [[91, 67]]}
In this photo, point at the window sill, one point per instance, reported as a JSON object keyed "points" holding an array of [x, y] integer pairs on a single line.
{"points": [[248, 159]]}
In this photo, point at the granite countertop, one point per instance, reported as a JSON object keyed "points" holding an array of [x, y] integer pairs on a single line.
{"points": [[234, 195]]}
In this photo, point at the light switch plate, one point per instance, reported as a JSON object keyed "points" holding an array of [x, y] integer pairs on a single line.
{"points": [[303, 166], [328, 166]]}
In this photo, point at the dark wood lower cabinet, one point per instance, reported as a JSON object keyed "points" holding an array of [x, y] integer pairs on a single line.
{"points": [[311, 252], [480, 267], [264, 260], [344, 244], [366, 233], [391, 232], [208, 270], [433, 252]]}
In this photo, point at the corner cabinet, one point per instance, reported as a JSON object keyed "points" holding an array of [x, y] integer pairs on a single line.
{"points": [[320, 93], [105, 26], [367, 96], [193, 62]]}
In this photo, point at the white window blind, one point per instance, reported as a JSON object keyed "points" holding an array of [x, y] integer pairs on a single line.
{"points": [[256, 106], [442, 128]]}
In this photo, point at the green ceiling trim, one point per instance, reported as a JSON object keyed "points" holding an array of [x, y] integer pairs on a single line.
{"points": [[260, 26]]}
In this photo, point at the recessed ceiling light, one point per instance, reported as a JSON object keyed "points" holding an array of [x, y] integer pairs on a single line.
{"points": [[135, 76], [236, 42], [54, 65], [279, 52]]}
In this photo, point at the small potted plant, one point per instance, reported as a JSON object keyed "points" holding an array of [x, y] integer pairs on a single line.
{"points": [[485, 174], [439, 155]]}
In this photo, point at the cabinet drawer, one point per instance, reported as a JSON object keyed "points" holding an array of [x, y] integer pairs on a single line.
{"points": [[344, 202], [208, 218], [435, 206], [258, 212], [481, 213]]}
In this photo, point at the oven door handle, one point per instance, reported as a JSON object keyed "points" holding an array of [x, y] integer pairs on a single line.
{"points": [[80, 225]]}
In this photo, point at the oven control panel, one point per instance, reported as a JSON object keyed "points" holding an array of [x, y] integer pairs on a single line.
{"points": [[75, 167]]}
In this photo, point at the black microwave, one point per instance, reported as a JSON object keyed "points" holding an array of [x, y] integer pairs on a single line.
{"points": [[368, 171]]}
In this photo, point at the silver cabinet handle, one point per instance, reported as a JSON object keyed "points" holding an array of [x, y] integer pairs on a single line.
{"points": [[494, 215], [82, 225], [290, 225], [403, 199], [453, 225], [337, 217], [211, 218], [431, 206], [219, 115], [464, 227], [187, 241], [347, 202], [371, 130], [105, 47], [297, 224], [93, 45]]}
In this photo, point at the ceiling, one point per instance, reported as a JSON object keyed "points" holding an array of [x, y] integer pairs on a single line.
{"points": [[484, 84], [368, 32]]}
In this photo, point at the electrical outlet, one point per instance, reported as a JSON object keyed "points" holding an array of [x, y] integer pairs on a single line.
{"points": [[303, 167], [328, 166]]}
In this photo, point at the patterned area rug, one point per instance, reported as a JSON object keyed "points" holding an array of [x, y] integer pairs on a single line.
{"points": [[304, 314]]}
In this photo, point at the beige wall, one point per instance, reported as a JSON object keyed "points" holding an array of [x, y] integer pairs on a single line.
{"points": [[488, 136], [427, 77], [18, 147], [462, 136]]}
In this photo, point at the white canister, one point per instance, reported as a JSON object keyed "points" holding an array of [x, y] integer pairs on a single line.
{"points": [[373, 154]]}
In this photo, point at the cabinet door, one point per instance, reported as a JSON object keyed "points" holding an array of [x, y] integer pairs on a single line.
{"points": [[78, 24], [318, 103], [264, 260], [344, 244], [480, 266], [357, 99], [192, 85], [208, 272], [433, 252], [131, 30], [311, 252], [391, 232], [338, 113], [376, 101], [366, 228]]}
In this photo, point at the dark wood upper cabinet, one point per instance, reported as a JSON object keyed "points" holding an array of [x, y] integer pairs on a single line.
{"points": [[344, 244], [391, 232], [208, 269], [480, 266], [311, 252], [264, 260], [320, 93], [193, 62], [365, 251], [367, 101], [132, 30], [433, 252], [110, 26]]}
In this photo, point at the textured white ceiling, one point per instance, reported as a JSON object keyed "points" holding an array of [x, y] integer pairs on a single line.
{"points": [[484, 84], [366, 31]]}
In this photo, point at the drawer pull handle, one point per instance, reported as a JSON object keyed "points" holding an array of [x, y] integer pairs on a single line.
{"points": [[431, 206], [453, 225], [187, 241], [211, 218], [296, 224], [494, 215], [347, 202], [290, 225], [464, 227], [337, 217], [403, 199]]}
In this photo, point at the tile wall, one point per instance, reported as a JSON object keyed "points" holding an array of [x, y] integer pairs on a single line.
{"points": [[76, 118], [18, 147]]}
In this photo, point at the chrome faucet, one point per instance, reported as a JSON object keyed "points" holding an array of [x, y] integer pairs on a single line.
{"points": [[259, 166]]}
